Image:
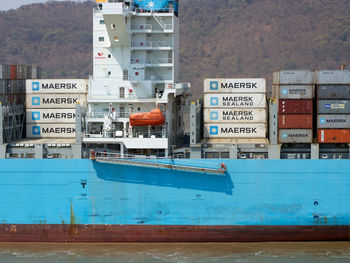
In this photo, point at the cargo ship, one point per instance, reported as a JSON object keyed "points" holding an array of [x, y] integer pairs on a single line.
{"points": [[110, 159]]}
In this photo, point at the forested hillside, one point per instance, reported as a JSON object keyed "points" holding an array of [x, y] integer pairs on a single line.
{"points": [[219, 38]]}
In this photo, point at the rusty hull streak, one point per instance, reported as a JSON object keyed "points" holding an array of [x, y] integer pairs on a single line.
{"points": [[135, 233]]}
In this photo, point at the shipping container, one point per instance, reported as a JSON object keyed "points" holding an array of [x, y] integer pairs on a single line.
{"points": [[5, 72], [295, 106], [294, 77], [334, 106], [333, 77], [295, 136], [13, 72], [3, 85], [57, 86], [235, 115], [22, 85], [36, 72], [334, 92], [29, 72], [234, 86], [3, 99], [234, 101], [21, 74], [235, 131], [50, 116], [10, 99], [54, 101], [50, 130], [333, 121], [294, 91], [11, 87], [295, 121], [334, 135]]}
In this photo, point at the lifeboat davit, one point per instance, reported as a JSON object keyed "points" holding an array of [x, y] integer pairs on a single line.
{"points": [[154, 117]]}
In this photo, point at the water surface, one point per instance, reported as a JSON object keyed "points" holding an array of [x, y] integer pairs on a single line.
{"points": [[180, 252]]}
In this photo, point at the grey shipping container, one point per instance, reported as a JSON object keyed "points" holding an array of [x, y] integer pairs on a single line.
{"points": [[334, 92], [333, 77], [36, 72], [295, 136], [3, 85], [5, 72], [333, 121], [294, 77], [28, 72], [20, 72], [294, 91], [334, 106]]}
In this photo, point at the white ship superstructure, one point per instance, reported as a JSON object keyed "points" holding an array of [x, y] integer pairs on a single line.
{"points": [[135, 70]]}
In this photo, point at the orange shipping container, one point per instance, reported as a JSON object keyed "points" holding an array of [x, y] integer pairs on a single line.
{"points": [[295, 121], [334, 135]]}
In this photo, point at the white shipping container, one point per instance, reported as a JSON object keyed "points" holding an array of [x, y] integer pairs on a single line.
{"points": [[57, 86], [235, 131], [50, 131], [54, 101], [234, 101], [235, 116], [234, 86], [50, 116]]}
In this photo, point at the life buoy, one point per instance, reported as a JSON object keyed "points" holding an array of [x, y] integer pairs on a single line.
{"points": [[92, 154], [222, 167]]}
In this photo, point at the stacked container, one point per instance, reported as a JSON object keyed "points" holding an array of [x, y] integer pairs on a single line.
{"points": [[333, 120], [235, 108], [50, 106], [12, 83], [295, 90]]}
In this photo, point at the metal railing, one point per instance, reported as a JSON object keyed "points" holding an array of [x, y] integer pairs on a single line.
{"points": [[151, 44], [152, 61], [160, 10], [141, 27], [134, 135], [95, 114], [148, 27], [160, 77]]}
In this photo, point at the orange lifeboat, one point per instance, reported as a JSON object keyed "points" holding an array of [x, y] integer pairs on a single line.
{"points": [[154, 117]]}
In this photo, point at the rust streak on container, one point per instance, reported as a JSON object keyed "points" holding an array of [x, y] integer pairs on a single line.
{"points": [[295, 106], [295, 121]]}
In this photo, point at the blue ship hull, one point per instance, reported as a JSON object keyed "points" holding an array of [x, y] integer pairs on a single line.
{"points": [[256, 200]]}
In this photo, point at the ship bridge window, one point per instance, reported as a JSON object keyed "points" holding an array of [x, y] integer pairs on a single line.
{"points": [[116, 39], [109, 55], [101, 39], [102, 22]]}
